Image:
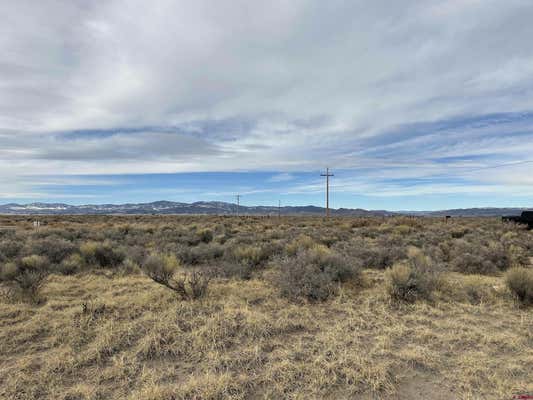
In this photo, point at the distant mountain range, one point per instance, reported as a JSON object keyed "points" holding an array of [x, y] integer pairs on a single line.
{"points": [[470, 212], [222, 208]]}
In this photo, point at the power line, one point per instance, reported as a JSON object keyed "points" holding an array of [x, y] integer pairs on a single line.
{"points": [[496, 166]]}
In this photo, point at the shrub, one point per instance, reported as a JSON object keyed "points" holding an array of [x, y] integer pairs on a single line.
{"points": [[136, 254], [248, 255], [301, 279], [336, 266], [416, 279], [101, 254], [235, 270], [518, 255], [476, 291], [88, 252], [339, 269], [71, 265], [402, 229], [469, 263], [161, 268], [479, 257], [498, 255], [301, 243], [203, 253], [205, 235], [34, 263], [378, 256], [54, 248], [458, 233], [385, 256], [31, 274], [187, 286], [314, 274], [8, 271], [30, 282], [9, 249], [519, 280], [195, 284], [129, 267]]}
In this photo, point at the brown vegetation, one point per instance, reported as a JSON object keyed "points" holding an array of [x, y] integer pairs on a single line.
{"points": [[520, 283], [172, 307]]}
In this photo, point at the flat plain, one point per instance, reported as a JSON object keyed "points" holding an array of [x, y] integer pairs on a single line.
{"points": [[204, 307]]}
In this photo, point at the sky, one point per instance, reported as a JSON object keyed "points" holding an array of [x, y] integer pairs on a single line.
{"points": [[413, 105]]}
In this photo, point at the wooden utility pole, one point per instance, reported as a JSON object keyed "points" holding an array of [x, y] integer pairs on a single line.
{"points": [[279, 208], [327, 175]]}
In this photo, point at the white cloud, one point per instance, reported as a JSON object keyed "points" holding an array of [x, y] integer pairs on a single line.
{"points": [[248, 85], [283, 177]]}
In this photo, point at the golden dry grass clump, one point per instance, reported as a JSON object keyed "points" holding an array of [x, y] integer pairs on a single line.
{"points": [[297, 308]]}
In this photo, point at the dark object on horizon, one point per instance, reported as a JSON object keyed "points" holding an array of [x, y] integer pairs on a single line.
{"points": [[525, 218], [447, 218]]}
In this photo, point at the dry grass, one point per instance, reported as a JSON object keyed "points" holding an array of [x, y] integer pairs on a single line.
{"points": [[107, 335]]}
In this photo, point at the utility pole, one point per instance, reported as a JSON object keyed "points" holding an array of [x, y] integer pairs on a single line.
{"points": [[238, 203], [327, 175], [279, 208]]}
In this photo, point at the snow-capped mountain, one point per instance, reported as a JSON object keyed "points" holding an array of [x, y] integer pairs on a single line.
{"points": [[222, 208], [170, 207]]}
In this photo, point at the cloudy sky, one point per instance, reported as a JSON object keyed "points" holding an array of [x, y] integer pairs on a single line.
{"points": [[413, 104]]}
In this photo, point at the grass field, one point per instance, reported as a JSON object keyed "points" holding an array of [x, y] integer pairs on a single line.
{"points": [[298, 308]]}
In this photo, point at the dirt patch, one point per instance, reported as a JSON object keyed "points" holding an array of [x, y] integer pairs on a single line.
{"points": [[417, 387], [425, 387]]}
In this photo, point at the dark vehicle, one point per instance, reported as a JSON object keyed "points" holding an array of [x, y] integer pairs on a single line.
{"points": [[525, 218]]}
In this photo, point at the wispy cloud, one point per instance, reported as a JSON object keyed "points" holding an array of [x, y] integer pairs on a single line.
{"points": [[399, 96], [282, 177]]}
